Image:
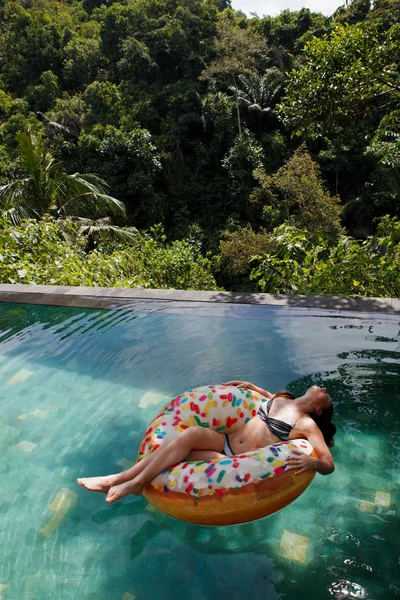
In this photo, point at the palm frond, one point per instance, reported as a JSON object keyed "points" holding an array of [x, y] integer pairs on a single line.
{"points": [[16, 214], [31, 151], [96, 228], [64, 123], [62, 190], [59, 128], [14, 193], [95, 182], [88, 196], [260, 89], [111, 230]]}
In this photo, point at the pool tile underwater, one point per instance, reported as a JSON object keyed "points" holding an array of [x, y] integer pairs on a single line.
{"points": [[152, 398], [8, 434], [20, 377], [293, 546], [382, 499], [41, 413], [27, 446], [366, 506], [60, 505]]}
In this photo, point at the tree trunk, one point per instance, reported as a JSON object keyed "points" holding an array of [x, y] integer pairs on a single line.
{"points": [[237, 105]]}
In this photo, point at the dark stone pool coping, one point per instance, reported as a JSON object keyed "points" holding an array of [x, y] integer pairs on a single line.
{"points": [[96, 297]]}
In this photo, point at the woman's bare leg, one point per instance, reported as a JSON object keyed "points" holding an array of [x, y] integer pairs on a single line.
{"points": [[170, 453], [103, 483], [196, 455]]}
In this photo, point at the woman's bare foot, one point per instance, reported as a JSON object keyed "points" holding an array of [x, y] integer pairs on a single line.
{"points": [[98, 484], [123, 489]]}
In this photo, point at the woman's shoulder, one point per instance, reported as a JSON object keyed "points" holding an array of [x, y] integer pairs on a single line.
{"points": [[305, 424]]}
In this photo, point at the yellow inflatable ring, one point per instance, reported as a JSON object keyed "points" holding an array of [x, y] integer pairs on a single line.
{"points": [[228, 490]]}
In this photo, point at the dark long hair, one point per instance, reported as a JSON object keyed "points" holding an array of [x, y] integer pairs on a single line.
{"points": [[323, 421]]}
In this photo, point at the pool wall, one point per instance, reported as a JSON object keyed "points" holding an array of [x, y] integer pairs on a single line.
{"points": [[98, 297]]}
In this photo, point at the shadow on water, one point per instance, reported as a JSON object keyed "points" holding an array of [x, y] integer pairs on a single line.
{"points": [[365, 389]]}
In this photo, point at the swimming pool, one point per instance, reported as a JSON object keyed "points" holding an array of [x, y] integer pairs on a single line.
{"points": [[78, 387]]}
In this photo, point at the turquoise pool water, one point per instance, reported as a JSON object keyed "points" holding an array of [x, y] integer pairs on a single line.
{"points": [[77, 390]]}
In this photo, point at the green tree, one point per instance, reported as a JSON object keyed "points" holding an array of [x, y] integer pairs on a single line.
{"points": [[385, 144], [30, 41], [288, 32], [342, 76], [45, 189], [131, 164], [82, 60], [162, 41], [257, 94], [242, 160], [219, 121], [103, 103], [90, 5], [35, 253], [260, 90], [354, 12], [297, 193], [136, 61], [237, 51], [42, 97], [341, 97]]}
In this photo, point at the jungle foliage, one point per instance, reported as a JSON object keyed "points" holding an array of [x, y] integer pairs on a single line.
{"points": [[174, 144], [36, 253]]}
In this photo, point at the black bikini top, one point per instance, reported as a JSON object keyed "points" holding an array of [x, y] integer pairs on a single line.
{"points": [[279, 428]]}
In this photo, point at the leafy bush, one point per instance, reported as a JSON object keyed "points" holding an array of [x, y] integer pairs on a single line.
{"points": [[236, 250], [35, 253], [306, 264]]}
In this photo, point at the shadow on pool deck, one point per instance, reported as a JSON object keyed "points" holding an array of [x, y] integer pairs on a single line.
{"points": [[318, 302], [104, 297]]}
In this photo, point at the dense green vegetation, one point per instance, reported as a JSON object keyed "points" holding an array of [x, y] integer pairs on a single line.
{"points": [[34, 253], [183, 144]]}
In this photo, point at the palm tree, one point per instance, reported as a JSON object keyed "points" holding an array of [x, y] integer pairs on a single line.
{"points": [[259, 93], [47, 191], [261, 89]]}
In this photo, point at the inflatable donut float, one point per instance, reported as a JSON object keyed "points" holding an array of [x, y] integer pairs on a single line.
{"points": [[228, 490]]}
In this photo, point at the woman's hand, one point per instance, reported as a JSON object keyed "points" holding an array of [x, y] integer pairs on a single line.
{"points": [[242, 384], [301, 461], [310, 431], [246, 385]]}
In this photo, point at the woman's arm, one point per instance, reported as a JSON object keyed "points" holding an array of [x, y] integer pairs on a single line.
{"points": [[324, 463], [246, 385]]}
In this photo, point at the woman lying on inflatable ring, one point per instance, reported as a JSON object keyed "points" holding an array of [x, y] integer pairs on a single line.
{"points": [[283, 417]]}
